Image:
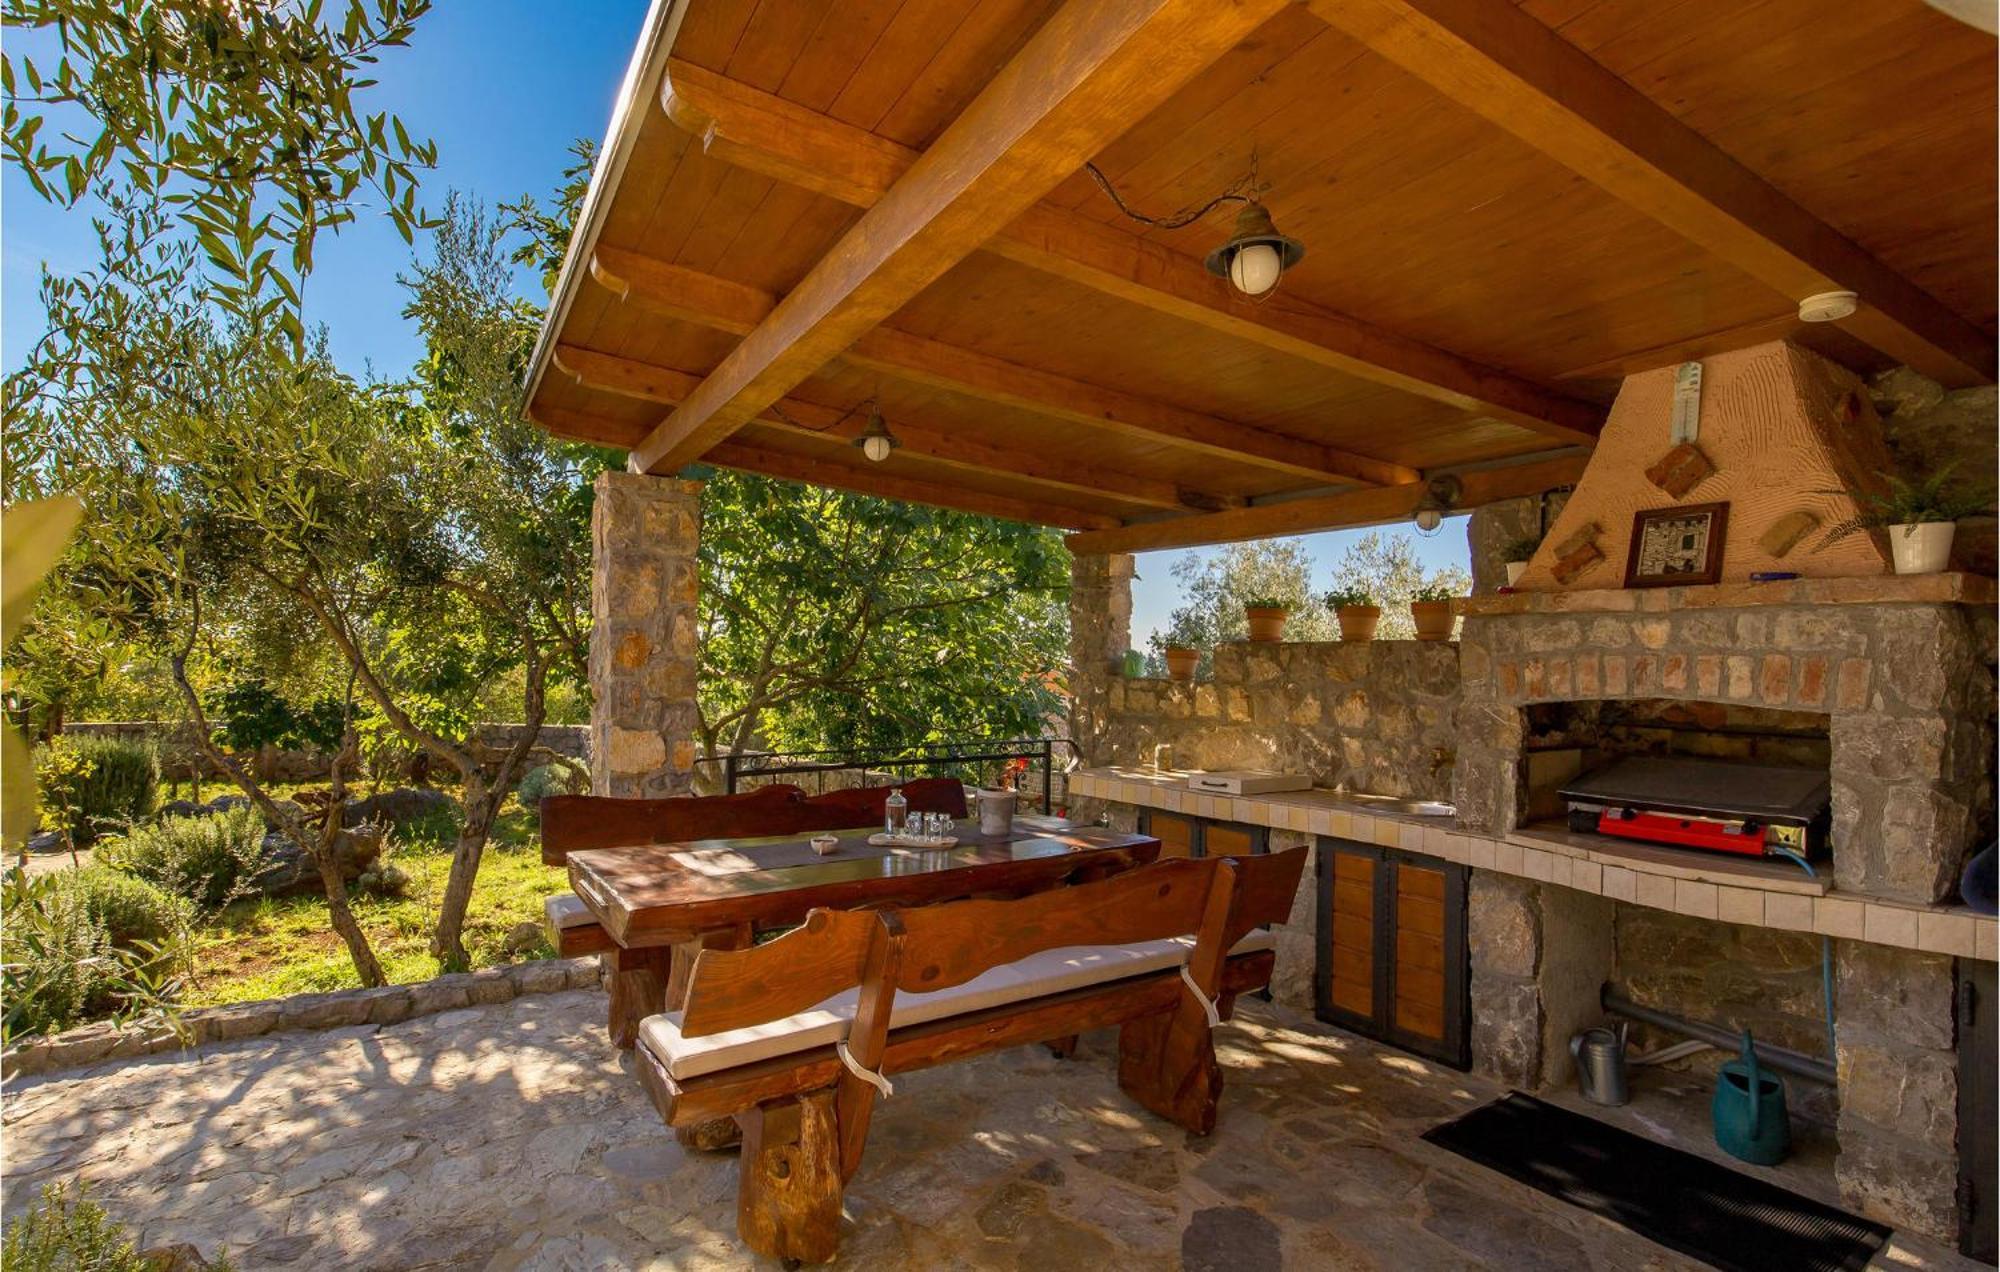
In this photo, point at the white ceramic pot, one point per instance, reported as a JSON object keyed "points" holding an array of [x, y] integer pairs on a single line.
{"points": [[1515, 569], [1923, 548], [996, 811]]}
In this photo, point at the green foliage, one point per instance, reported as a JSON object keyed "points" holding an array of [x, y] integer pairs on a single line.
{"points": [[546, 235], [1269, 600], [833, 620], [94, 786], [129, 909], [1522, 549], [252, 715], [240, 118], [1217, 587], [59, 965], [1441, 590], [65, 1231], [561, 777], [1938, 496], [32, 541], [207, 859], [1351, 596], [1386, 567]]}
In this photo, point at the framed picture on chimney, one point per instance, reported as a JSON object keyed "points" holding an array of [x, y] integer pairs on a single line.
{"points": [[1677, 547]]}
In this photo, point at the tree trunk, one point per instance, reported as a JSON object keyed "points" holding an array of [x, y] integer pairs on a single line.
{"points": [[344, 923], [447, 943]]}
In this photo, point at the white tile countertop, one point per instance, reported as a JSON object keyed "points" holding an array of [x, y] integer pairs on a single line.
{"points": [[1750, 892]]}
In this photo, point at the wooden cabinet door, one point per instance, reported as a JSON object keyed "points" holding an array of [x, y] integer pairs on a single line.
{"points": [[1392, 948], [1179, 836]]}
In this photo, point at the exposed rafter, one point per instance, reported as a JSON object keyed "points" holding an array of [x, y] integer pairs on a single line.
{"points": [[782, 140], [1085, 77], [754, 458], [668, 386], [678, 292], [1500, 62], [1330, 512]]}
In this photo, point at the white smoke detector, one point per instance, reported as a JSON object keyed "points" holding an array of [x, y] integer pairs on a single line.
{"points": [[1828, 306]]}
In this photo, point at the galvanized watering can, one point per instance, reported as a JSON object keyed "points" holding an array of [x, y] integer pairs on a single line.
{"points": [[1751, 1123], [1600, 1064]]}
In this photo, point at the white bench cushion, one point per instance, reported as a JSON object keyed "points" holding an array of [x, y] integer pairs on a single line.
{"points": [[566, 911], [1039, 975]]}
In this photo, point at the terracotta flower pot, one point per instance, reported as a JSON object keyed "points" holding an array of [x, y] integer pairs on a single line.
{"points": [[1267, 623], [1923, 548], [1181, 662], [1358, 622], [1434, 619]]}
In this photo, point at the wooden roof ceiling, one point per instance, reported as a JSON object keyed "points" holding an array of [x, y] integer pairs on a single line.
{"points": [[805, 205]]}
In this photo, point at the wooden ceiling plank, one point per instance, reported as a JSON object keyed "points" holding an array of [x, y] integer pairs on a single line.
{"points": [[1503, 64], [668, 386], [688, 295], [1086, 76], [741, 126], [1329, 512]]}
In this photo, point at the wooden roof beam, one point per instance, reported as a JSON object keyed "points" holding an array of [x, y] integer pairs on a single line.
{"points": [[752, 458], [790, 143], [1329, 512], [677, 292], [668, 386], [1086, 76], [1503, 64]]}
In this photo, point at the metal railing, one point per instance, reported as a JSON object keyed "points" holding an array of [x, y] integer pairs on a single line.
{"points": [[977, 762]]}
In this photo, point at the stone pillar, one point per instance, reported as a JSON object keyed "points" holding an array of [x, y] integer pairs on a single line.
{"points": [[1540, 955], [1898, 1068], [644, 638], [1100, 631]]}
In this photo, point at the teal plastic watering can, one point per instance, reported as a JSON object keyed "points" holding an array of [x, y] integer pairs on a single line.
{"points": [[1749, 1111]]}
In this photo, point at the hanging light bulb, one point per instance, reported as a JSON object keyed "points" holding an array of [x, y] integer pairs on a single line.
{"points": [[1440, 496], [876, 441], [1428, 520], [1256, 255]]}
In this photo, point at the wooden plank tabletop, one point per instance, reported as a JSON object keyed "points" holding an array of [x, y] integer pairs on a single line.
{"points": [[658, 894]]}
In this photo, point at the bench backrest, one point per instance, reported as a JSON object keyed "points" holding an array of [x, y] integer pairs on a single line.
{"points": [[946, 945], [571, 823]]}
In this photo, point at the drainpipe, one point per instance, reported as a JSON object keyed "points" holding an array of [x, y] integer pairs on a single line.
{"points": [[1793, 1062]]}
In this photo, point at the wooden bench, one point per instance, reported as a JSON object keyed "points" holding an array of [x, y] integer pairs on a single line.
{"points": [[795, 1039]]}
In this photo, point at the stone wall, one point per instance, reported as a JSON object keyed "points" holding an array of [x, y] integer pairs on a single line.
{"points": [[1898, 1068], [1908, 687], [1374, 716], [645, 634]]}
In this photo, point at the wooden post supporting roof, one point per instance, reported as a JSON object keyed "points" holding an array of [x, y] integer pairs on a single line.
{"points": [[675, 291], [1329, 512], [787, 142], [1091, 72], [1499, 61]]}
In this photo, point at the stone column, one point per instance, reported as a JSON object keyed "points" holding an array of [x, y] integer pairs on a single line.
{"points": [[1898, 1068], [1540, 955], [1100, 631], [644, 641]]}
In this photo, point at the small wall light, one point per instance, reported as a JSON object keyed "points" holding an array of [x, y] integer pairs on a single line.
{"points": [[1828, 306], [876, 441], [1256, 255], [1440, 496]]}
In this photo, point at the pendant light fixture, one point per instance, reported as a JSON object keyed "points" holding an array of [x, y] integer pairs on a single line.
{"points": [[1254, 257], [876, 441], [1441, 495]]}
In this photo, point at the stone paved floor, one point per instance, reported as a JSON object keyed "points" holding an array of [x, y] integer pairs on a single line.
{"points": [[513, 1137]]}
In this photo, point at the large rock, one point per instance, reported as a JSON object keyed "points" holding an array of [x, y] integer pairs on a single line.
{"points": [[397, 808], [289, 870]]}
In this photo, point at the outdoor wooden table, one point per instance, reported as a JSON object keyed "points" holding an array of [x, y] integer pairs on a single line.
{"points": [[656, 899]]}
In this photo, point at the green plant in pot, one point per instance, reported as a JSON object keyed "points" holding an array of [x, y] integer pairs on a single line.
{"points": [[1266, 616], [1516, 556], [1430, 606], [1356, 610], [1919, 517], [1181, 661]]}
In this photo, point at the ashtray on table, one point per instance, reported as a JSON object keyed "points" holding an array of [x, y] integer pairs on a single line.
{"points": [[884, 840]]}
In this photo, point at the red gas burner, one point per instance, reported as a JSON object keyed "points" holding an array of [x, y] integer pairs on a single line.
{"points": [[1748, 809]]}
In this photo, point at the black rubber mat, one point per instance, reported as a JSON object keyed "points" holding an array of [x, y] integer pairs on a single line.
{"points": [[1683, 1202]]}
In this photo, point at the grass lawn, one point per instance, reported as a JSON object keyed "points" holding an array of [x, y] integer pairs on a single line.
{"points": [[268, 948]]}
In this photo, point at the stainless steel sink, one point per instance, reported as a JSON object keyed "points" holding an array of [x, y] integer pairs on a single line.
{"points": [[1400, 807]]}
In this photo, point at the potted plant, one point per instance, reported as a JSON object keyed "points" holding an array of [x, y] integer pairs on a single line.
{"points": [[1181, 660], [1516, 555], [1920, 518], [1430, 606], [1357, 611], [1267, 615]]}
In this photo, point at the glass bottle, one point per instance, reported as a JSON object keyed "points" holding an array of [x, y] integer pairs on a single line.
{"points": [[893, 810]]}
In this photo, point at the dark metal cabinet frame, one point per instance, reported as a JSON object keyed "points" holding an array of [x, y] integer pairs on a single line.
{"points": [[1456, 1047]]}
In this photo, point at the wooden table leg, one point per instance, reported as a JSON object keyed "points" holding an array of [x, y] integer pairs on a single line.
{"points": [[638, 990]]}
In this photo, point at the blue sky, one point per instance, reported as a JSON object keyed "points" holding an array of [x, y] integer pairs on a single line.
{"points": [[503, 87]]}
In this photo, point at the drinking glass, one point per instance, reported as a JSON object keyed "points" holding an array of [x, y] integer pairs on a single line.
{"points": [[913, 825], [940, 825]]}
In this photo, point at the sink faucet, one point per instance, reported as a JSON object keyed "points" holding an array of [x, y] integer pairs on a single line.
{"points": [[1163, 755]]}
